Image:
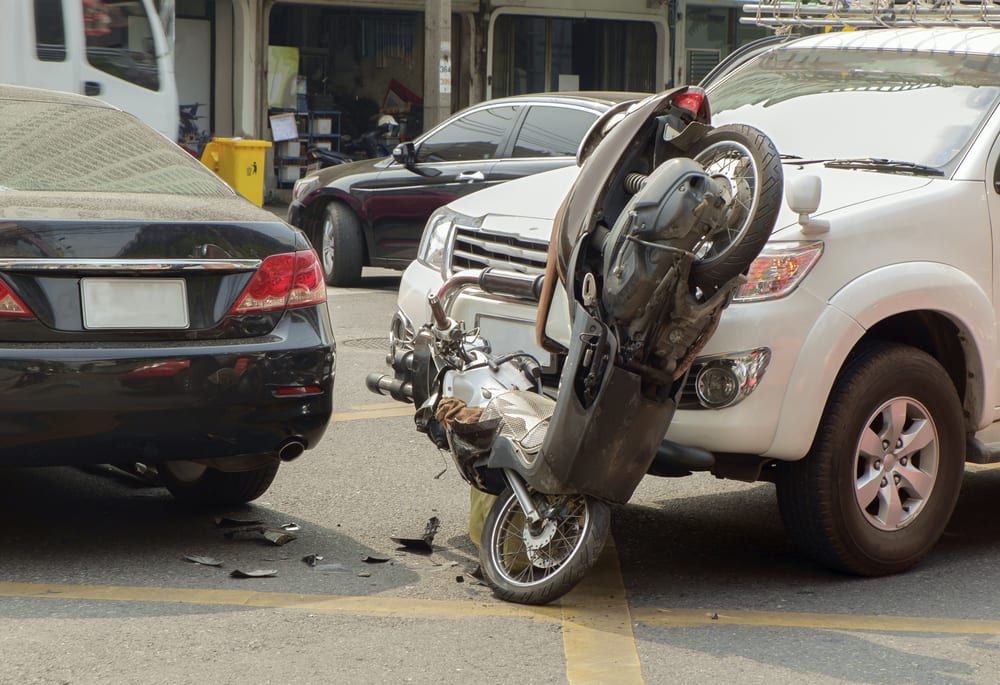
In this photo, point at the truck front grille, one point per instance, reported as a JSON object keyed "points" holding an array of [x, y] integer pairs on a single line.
{"points": [[475, 248]]}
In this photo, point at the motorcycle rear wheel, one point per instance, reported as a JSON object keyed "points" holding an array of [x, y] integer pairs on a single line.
{"points": [[537, 563], [747, 163]]}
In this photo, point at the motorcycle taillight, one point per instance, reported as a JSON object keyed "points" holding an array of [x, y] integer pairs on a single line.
{"points": [[694, 102]]}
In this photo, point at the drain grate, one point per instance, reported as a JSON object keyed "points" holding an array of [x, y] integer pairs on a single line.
{"points": [[367, 343]]}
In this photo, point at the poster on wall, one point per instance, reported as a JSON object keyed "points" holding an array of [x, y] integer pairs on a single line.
{"points": [[282, 76]]}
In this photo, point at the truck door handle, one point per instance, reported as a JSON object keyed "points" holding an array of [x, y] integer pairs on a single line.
{"points": [[470, 176], [91, 88]]}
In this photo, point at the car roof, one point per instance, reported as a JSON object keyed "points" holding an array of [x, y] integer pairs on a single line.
{"points": [[984, 41], [9, 92], [605, 98]]}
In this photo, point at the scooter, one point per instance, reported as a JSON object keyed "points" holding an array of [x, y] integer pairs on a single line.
{"points": [[370, 145], [647, 250]]}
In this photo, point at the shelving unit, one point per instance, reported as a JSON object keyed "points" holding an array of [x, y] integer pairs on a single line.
{"points": [[324, 129], [290, 155], [318, 128]]}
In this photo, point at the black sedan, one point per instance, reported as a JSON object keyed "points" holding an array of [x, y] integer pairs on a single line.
{"points": [[149, 314], [372, 212]]}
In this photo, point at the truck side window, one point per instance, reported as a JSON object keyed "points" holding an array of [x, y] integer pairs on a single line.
{"points": [[50, 32], [120, 41]]}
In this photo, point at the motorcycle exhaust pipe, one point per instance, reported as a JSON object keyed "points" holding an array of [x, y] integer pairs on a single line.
{"points": [[396, 388]]}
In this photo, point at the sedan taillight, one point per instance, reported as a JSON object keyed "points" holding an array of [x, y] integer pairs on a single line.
{"points": [[11, 304], [294, 279]]}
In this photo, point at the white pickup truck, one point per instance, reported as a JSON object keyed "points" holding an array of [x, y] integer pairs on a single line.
{"points": [[858, 366]]}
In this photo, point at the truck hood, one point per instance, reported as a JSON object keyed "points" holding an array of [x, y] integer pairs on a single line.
{"points": [[535, 199], [843, 188]]}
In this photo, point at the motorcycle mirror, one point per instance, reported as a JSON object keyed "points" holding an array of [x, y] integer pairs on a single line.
{"points": [[405, 154]]}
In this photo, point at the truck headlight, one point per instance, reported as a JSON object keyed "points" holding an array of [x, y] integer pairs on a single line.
{"points": [[434, 241], [777, 271]]}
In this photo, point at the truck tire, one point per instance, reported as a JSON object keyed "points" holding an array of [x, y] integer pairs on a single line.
{"points": [[881, 480]]}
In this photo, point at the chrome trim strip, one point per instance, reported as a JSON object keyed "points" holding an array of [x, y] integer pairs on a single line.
{"points": [[144, 265]]}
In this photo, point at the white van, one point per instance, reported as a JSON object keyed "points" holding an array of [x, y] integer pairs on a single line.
{"points": [[114, 50]]}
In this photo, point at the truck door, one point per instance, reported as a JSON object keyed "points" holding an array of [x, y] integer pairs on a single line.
{"points": [[124, 58], [35, 51]]}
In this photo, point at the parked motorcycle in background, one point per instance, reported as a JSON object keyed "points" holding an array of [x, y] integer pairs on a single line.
{"points": [[649, 245], [372, 144]]}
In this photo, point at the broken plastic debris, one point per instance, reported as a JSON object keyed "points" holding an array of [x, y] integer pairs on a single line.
{"points": [[278, 537], [255, 573], [312, 559], [204, 561], [290, 527], [227, 522], [423, 543], [332, 568], [364, 574], [374, 560], [244, 532]]}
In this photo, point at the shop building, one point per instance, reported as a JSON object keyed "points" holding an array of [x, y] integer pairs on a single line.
{"points": [[240, 61]]}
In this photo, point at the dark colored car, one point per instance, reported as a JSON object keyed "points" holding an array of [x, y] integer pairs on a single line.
{"points": [[149, 314], [372, 212]]}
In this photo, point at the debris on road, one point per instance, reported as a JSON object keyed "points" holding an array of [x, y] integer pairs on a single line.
{"points": [[255, 573], [374, 560], [423, 543], [204, 561], [312, 559]]}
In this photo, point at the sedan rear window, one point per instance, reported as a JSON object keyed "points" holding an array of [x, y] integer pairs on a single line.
{"points": [[55, 146], [822, 103], [552, 131]]}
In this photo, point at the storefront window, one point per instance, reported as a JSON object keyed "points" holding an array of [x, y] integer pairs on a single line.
{"points": [[711, 33], [119, 41], [538, 54]]}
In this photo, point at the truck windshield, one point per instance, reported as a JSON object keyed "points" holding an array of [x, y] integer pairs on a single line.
{"points": [[821, 103]]}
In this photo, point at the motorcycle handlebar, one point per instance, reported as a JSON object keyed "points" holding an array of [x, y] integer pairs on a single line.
{"points": [[382, 384], [512, 284]]}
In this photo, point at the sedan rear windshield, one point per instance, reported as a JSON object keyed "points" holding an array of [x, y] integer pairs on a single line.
{"points": [[822, 103], [51, 146]]}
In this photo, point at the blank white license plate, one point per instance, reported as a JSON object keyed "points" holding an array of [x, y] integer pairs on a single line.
{"points": [[134, 303]]}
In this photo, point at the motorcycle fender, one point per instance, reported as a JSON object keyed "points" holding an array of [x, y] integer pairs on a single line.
{"points": [[603, 449]]}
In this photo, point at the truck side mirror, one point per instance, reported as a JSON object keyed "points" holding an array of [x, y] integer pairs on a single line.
{"points": [[405, 154]]}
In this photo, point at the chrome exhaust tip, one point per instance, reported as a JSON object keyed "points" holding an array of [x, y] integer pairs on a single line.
{"points": [[291, 450]]}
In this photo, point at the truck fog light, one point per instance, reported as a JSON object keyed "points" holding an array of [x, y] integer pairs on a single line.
{"points": [[717, 385], [724, 380]]}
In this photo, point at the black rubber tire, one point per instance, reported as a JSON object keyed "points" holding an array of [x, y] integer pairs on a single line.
{"points": [[818, 495], [213, 487], [505, 516], [751, 224], [340, 245]]}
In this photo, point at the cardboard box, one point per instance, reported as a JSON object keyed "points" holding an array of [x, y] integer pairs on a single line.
{"points": [[322, 126]]}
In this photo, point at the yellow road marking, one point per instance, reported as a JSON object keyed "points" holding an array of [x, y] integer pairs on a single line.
{"points": [[597, 628], [673, 618], [324, 604], [382, 412]]}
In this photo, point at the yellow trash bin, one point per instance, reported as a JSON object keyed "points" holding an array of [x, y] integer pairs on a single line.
{"points": [[240, 163]]}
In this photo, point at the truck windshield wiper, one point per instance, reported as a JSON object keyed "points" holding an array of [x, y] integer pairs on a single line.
{"points": [[882, 164]]}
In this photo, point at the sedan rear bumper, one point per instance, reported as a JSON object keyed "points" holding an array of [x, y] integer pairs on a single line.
{"points": [[66, 404]]}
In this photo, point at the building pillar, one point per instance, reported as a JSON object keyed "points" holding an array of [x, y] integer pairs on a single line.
{"points": [[438, 62]]}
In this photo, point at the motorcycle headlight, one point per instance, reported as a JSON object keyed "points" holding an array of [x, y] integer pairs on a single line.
{"points": [[303, 187], [778, 270], [434, 241]]}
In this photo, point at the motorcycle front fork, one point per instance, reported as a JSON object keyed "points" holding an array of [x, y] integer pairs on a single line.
{"points": [[520, 491]]}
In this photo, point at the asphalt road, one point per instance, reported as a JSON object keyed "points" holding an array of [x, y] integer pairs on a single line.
{"points": [[698, 585]]}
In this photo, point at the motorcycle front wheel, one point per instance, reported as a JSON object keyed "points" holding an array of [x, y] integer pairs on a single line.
{"points": [[537, 563], [747, 165]]}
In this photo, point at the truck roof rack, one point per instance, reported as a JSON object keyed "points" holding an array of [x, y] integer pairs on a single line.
{"points": [[782, 15]]}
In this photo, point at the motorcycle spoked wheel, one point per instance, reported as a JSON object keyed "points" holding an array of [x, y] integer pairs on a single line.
{"points": [[537, 563], [745, 161]]}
